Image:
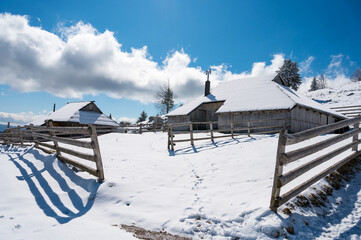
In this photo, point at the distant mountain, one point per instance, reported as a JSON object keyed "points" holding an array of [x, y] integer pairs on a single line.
{"points": [[3, 127]]}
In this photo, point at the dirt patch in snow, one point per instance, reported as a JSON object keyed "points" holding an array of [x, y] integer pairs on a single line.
{"points": [[142, 233]]}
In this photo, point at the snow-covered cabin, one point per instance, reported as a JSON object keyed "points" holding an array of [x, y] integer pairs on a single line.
{"points": [[255, 99], [77, 114]]}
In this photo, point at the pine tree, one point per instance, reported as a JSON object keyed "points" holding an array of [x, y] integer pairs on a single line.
{"points": [[356, 75], [143, 117], [289, 74], [164, 99], [322, 82], [314, 84]]}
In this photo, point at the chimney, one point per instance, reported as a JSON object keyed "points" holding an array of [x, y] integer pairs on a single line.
{"points": [[54, 108], [207, 89]]}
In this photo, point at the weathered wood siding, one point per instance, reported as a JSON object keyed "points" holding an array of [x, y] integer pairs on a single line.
{"points": [[304, 118], [256, 119], [205, 113], [179, 119]]}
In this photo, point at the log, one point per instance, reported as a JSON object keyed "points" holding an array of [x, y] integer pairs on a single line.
{"points": [[68, 130], [300, 188], [291, 175], [83, 167], [65, 140], [356, 126], [305, 151], [314, 132]]}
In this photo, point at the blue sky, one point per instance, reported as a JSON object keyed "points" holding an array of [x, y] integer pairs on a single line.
{"points": [[82, 50]]}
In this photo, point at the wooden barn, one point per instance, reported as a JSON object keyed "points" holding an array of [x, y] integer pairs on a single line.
{"points": [[77, 114], [263, 101]]}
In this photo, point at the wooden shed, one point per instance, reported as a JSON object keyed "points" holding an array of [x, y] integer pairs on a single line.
{"points": [[77, 114], [262, 100]]}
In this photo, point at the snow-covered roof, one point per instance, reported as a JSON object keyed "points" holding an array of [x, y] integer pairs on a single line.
{"points": [[252, 94], [72, 112]]}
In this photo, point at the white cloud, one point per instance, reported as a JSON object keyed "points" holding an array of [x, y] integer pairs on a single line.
{"points": [[335, 74], [21, 118], [305, 66], [126, 119], [80, 60]]}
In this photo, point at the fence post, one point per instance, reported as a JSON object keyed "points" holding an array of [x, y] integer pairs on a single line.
{"points": [[211, 128], [140, 128], [171, 137], [20, 136], [6, 135], [96, 149], [232, 129], [249, 131], [35, 139], [355, 137], [168, 142], [278, 171], [11, 136], [49, 124], [191, 133]]}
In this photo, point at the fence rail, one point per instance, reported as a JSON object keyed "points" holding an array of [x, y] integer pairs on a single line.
{"points": [[228, 132], [41, 136], [283, 157], [145, 127], [349, 111]]}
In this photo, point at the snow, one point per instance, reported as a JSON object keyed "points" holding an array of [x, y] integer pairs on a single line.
{"points": [[215, 190], [252, 94], [71, 113], [211, 191]]}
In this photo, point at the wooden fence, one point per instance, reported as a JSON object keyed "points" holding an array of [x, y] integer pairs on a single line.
{"points": [[145, 127], [228, 132], [42, 135], [283, 158], [349, 111]]}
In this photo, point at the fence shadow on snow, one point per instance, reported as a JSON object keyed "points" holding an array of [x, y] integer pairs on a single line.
{"points": [[43, 190]]}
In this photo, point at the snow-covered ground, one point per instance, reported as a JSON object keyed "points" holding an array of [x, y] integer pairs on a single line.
{"points": [[346, 95], [210, 191]]}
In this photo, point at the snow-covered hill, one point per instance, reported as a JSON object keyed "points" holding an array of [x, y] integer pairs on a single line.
{"points": [[346, 95], [210, 191]]}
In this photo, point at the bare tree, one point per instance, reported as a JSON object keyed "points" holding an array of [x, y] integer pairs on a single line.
{"points": [[164, 102], [322, 82]]}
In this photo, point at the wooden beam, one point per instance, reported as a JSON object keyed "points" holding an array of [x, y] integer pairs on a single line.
{"points": [[300, 188], [65, 140], [314, 132], [305, 151], [291, 175]]}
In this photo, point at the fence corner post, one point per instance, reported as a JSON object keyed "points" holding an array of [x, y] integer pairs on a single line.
{"points": [[140, 128], [232, 130], [356, 126], [211, 129], [274, 204], [96, 150]]}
